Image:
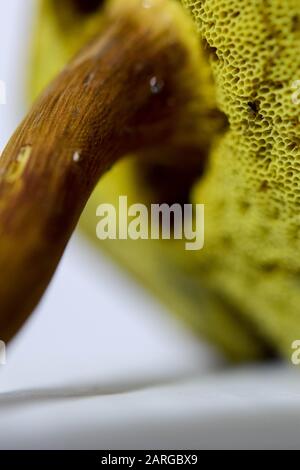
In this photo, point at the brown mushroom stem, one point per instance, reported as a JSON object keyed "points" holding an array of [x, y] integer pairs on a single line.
{"points": [[121, 93]]}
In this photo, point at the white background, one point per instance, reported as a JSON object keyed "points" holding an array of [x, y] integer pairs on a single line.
{"points": [[101, 364]]}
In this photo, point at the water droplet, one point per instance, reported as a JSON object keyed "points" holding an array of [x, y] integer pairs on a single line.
{"points": [[156, 85], [77, 156], [18, 166]]}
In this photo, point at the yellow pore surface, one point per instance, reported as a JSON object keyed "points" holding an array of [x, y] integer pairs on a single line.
{"points": [[251, 189]]}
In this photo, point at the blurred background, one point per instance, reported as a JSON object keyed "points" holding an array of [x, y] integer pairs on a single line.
{"points": [[101, 364]]}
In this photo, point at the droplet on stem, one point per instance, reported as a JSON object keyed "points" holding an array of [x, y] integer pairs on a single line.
{"points": [[76, 156], [18, 166], [156, 85]]}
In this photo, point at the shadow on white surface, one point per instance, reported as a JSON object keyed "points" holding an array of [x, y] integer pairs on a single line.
{"points": [[250, 408]]}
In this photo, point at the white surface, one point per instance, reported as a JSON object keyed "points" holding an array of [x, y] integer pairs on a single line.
{"points": [[102, 365]]}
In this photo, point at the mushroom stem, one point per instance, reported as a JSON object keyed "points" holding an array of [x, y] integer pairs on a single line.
{"points": [[123, 92]]}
